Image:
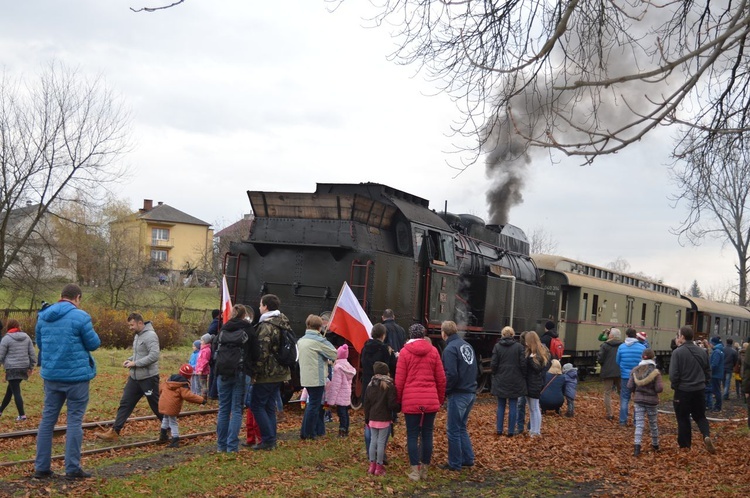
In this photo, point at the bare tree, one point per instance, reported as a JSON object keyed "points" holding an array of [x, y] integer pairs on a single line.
{"points": [[583, 77], [541, 242], [59, 138], [712, 180], [121, 264], [619, 265]]}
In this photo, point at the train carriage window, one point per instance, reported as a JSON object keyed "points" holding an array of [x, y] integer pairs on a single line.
{"points": [[657, 312], [643, 315], [448, 249], [679, 318], [717, 325], [564, 305]]}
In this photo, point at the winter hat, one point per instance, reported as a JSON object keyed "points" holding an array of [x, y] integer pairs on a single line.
{"points": [[342, 353], [206, 338], [186, 371], [555, 367], [416, 331], [641, 336], [549, 325], [197, 344], [568, 367], [716, 340], [380, 368]]}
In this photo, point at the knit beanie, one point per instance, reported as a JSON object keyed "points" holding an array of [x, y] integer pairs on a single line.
{"points": [[380, 368], [416, 331], [342, 353], [206, 338], [197, 344], [186, 371]]}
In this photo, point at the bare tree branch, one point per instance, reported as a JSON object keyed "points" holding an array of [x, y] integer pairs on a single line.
{"points": [[154, 9]]}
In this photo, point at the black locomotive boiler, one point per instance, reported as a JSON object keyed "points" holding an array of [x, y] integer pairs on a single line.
{"points": [[395, 253]]}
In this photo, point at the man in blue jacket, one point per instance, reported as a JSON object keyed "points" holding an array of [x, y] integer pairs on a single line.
{"points": [[717, 374], [65, 338], [628, 357], [461, 370]]}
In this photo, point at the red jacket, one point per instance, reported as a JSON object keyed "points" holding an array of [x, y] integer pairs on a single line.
{"points": [[420, 378]]}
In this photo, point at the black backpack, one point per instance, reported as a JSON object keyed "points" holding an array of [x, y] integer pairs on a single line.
{"points": [[230, 352], [288, 353]]}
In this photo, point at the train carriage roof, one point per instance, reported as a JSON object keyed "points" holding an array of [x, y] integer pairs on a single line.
{"points": [[716, 308], [566, 267]]}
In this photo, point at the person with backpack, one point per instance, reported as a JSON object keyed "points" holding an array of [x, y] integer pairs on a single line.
{"points": [[267, 372], [230, 356], [315, 354], [551, 340]]}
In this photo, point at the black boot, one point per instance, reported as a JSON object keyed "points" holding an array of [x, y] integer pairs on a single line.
{"points": [[163, 436], [655, 447], [637, 450], [175, 442]]}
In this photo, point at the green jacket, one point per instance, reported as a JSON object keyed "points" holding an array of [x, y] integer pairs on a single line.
{"points": [[314, 350], [264, 346]]}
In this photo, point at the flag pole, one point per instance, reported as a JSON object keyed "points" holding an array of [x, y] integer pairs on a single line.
{"points": [[335, 306]]}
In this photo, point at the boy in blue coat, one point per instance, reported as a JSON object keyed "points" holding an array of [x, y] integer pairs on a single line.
{"points": [[570, 373]]}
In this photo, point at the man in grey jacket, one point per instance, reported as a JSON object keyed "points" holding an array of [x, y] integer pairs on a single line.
{"points": [[689, 371], [143, 378]]}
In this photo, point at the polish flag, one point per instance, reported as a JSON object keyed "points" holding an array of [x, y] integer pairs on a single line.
{"points": [[226, 301], [349, 320]]}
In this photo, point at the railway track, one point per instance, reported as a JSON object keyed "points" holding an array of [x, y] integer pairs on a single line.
{"points": [[101, 424], [111, 448]]}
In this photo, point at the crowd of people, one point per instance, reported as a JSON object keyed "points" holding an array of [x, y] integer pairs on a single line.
{"points": [[402, 373]]}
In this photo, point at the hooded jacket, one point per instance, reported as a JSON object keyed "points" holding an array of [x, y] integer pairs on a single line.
{"points": [[629, 355], [380, 399], [607, 358], [646, 380], [717, 361], [145, 353], [548, 336], [65, 338], [17, 351], [373, 351], [571, 382], [173, 392], [420, 378], [508, 369], [314, 353], [264, 346], [339, 390], [202, 366]]}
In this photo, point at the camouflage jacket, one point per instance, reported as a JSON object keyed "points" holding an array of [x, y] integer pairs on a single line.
{"points": [[264, 345]]}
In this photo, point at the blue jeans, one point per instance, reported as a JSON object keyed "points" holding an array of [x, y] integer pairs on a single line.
{"points": [[460, 451], [76, 397], [520, 416], [624, 401], [263, 406], [727, 383], [512, 412], [312, 420], [229, 420], [535, 417], [419, 426], [715, 392]]}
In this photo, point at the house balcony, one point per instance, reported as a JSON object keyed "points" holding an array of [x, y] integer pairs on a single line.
{"points": [[162, 243]]}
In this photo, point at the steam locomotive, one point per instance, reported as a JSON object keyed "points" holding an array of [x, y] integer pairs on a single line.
{"points": [[395, 253]]}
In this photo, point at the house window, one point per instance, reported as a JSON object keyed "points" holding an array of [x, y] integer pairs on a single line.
{"points": [[160, 233], [159, 255]]}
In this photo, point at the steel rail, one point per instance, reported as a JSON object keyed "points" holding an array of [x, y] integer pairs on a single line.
{"points": [[102, 423], [111, 448]]}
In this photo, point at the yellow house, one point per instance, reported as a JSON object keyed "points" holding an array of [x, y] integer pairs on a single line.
{"points": [[172, 239]]}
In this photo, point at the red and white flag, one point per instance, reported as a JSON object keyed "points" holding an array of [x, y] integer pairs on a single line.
{"points": [[349, 320], [226, 301]]}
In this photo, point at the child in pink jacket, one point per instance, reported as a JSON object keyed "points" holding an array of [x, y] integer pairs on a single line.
{"points": [[202, 367], [339, 389]]}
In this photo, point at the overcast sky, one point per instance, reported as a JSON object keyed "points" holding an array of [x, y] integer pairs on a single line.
{"points": [[231, 95]]}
